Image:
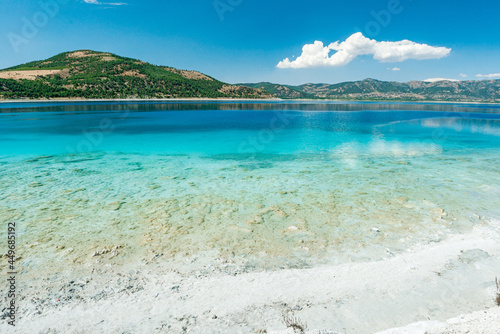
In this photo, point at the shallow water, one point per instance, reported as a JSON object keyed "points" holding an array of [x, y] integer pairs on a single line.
{"points": [[254, 185]]}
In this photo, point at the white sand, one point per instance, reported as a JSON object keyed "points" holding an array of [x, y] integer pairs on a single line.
{"points": [[480, 322], [424, 286]]}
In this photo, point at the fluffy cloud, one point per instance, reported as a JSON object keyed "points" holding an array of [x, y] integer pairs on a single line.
{"points": [[489, 76], [394, 69], [463, 75], [316, 55]]}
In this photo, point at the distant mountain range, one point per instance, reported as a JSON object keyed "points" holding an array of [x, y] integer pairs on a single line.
{"points": [[371, 89], [98, 75], [87, 74]]}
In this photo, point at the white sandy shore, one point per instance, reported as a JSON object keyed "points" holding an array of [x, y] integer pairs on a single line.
{"points": [[481, 322], [430, 283]]}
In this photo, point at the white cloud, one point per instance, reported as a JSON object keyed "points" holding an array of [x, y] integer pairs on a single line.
{"points": [[490, 76], [463, 75], [316, 55], [394, 69], [439, 79]]}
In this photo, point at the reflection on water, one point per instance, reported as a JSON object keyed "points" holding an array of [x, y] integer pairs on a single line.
{"points": [[278, 105], [468, 125]]}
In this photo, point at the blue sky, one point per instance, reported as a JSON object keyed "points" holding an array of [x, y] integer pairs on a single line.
{"points": [[244, 40]]}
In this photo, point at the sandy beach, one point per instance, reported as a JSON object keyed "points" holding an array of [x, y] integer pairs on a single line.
{"points": [[413, 292]]}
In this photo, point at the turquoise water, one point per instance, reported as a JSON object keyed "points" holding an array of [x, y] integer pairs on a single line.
{"points": [[263, 185], [229, 128]]}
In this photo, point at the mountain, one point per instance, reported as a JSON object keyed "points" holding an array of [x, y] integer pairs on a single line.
{"points": [[371, 89], [99, 75], [281, 91]]}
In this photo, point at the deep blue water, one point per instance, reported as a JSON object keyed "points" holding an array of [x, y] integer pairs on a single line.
{"points": [[240, 128]]}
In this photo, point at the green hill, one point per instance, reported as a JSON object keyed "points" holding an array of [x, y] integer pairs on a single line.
{"points": [[96, 75]]}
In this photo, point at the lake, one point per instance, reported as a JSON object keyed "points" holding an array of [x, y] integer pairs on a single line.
{"points": [[264, 185]]}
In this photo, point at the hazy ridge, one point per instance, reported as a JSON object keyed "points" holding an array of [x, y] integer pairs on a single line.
{"points": [[371, 89]]}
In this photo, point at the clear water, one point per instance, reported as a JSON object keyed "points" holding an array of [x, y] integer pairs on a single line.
{"points": [[255, 185]]}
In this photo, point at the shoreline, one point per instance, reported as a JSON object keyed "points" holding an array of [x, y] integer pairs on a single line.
{"points": [[413, 292], [239, 100]]}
